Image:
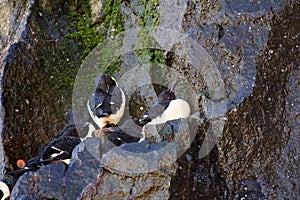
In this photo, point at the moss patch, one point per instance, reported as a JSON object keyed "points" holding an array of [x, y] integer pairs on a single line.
{"points": [[149, 20], [90, 35], [113, 19], [86, 33]]}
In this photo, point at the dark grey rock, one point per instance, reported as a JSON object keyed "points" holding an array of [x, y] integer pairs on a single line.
{"points": [[250, 185], [252, 195], [59, 181], [254, 6], [46, 183], [12, 27], [250, 190], [158, 146], [255, 46], [83, 169], [111, 186], [136, 147], [130, 161], [34, 52]]}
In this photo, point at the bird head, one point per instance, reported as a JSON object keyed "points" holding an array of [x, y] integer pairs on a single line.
{"points": [[105, 83], [166, 96]]}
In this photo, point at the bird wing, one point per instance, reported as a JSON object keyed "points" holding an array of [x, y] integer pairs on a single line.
{"points": [[60, 149], [100, 104], [154, 112], [119, 137], [158, 109], [96, 99]]}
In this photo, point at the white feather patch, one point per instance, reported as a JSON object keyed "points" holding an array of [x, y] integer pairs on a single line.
{"points": [[177, 109], [5, 190]]}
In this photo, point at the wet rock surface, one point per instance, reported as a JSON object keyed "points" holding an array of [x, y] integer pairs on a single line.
{"points": [[35, 106], [258, 136], [256, 133], [250, 189], [13, 22], [255, 46]]}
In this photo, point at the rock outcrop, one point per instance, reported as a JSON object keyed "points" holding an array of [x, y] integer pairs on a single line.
{"points": [[87, 178], [252, 48]]}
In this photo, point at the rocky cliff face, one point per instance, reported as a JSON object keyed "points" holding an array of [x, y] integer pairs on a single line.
{"points": [[14, 17], [39, 51], [254, 47]]}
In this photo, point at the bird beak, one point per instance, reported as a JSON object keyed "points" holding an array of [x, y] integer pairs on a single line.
{"points": [[97, 133]]}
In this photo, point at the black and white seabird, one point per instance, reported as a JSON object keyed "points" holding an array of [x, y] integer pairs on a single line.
{"points": [[61, 147], [4, 191], [59, 150], [117, 136], [166, 109], [106, 104]]}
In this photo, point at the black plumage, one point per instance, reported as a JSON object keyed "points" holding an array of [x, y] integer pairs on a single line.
{"points": [[118, 136], [59, 150], [107, 102], [157, 110]]}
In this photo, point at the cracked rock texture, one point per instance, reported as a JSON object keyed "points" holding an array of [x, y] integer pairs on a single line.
{"points": [[253, 45]]}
